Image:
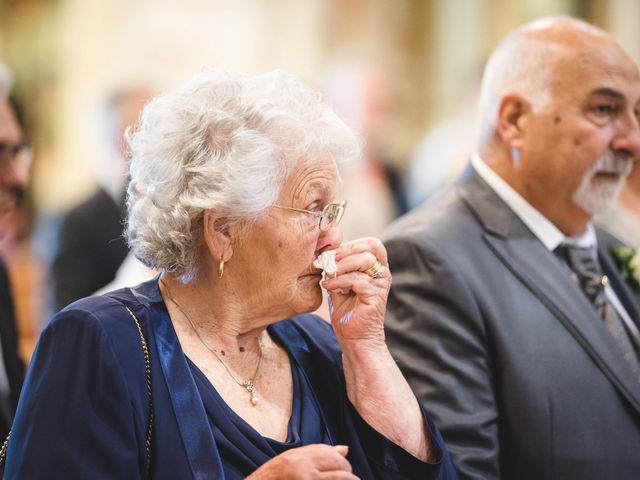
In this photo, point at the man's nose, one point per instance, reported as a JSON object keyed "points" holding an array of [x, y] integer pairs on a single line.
{"points": [[628, 138]]}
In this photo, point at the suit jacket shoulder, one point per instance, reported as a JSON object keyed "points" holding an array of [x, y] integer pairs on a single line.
{"points": [[504, 348], [90, 249]]}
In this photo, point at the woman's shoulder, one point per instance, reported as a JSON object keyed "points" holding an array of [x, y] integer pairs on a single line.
{"points": [[98, 313], [97, 327]]}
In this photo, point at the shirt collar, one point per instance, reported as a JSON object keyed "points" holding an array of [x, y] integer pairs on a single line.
{"points": [[539, 225]]}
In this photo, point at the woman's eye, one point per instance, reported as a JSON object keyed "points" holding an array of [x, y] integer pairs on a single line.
{"points": [[314, 207]]}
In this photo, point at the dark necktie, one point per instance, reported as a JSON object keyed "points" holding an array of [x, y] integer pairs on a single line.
{"points": [[584, 263]]}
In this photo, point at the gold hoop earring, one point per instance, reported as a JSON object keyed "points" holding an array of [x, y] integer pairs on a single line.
{"points": [[221, 267]]}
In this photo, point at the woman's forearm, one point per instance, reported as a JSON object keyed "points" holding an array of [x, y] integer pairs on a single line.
{"points": [[384, 399]]}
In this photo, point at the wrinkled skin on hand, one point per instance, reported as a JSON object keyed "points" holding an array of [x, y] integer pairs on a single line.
{"points": [[358, 302], [310, 462]]}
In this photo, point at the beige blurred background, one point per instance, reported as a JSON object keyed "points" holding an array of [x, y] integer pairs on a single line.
{"points": [[67, 55]]}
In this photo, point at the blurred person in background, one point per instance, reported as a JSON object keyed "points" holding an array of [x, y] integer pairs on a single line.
{"points": [[444, 151], [90, 248], [234, 192], [364, 95], [508, 313], [623, 221], [15, 160]]}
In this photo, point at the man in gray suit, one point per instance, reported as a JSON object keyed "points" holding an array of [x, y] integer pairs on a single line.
{"points": [[508, 314]]}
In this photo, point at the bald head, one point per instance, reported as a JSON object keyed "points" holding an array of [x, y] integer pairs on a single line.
{"points": [[560, 105], [535, 59]]}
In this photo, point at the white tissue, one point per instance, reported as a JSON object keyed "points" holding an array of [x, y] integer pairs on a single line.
{"points": [[327, 262]]}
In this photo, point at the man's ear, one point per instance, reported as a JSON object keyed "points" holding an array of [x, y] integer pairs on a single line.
{"points": [[513, 114], [217, 237]]}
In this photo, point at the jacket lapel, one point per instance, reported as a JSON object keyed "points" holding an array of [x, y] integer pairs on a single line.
{"points": [[188, 408], [626, 295], [301, 352], [547, 278]]}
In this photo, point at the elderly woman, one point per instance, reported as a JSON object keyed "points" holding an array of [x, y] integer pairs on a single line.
{"points": [[215, 369]]}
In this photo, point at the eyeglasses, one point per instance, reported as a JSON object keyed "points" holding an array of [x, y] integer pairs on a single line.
{"points": [[20, 153], [330, 216]]}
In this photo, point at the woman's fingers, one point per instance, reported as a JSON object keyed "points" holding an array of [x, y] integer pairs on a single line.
{"points": [[368, 244], [324, 457], [338, 463], [366, 256], [327, 458], [310, 461], [357, 282], [357, 262], [337, 476], [331, 458], [341, 449]]}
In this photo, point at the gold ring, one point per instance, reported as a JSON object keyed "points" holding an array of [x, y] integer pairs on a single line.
{"points": [[375, 271]]}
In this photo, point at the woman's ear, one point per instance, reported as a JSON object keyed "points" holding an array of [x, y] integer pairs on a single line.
{"points": [[513, 114], [217, 237]]}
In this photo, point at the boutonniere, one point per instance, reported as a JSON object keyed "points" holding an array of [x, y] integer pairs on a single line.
{"points": [[628, 261]]}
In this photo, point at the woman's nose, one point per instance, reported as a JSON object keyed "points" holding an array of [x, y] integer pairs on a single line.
{"points": [[330, 239]]}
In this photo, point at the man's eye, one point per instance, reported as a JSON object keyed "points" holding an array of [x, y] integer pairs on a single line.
{"points": [[603, 113], [605, 109]]}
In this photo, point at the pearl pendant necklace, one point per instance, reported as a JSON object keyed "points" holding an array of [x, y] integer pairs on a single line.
{"points": [[247, 384], [252, 390]]}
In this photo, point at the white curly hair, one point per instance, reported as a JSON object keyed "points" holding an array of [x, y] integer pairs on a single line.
{"points": [[224, 143]]}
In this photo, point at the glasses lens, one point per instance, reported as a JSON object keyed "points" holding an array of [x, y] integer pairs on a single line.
{"points": [[332, 215], [341, 208]]}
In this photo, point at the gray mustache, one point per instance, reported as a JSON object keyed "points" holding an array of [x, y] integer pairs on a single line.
{"points": [[617, 164]]}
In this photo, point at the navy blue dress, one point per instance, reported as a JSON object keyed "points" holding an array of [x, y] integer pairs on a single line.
{"points": [[242, 449], [84, 407]]}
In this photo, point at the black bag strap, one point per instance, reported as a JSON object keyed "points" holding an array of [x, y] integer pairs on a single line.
{"points": [[3, 449], [147, 361]]}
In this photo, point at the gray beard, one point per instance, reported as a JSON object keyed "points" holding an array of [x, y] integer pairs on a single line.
{"points": [[599, 195]]}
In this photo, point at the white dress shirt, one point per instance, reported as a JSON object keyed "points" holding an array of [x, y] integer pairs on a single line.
{"points": [[544, 230]]}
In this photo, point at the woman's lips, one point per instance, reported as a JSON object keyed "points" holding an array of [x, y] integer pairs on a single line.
{"points": [[316, 273]]}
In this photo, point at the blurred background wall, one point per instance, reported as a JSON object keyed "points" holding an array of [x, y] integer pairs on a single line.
{"points": [[68, 55]]}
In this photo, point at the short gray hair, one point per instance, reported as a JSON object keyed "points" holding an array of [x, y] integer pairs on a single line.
{"points": [[523, 63], [224, 143], [6, 81]]}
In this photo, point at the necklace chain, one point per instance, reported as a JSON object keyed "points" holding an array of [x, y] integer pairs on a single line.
{"points": [[248, 384]]}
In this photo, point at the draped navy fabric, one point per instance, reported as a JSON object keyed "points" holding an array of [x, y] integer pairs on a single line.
{"points": [[84, 407], [242, 449]]}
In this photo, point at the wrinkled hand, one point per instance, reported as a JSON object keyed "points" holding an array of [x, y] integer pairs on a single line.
{"points": [[317, 461], [358, 302]]}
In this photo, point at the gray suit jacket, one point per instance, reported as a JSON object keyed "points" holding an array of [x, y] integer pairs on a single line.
{"points": [[519, 371]]}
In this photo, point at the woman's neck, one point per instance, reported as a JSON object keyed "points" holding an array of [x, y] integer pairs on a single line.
{"points": [[217, 320]]}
